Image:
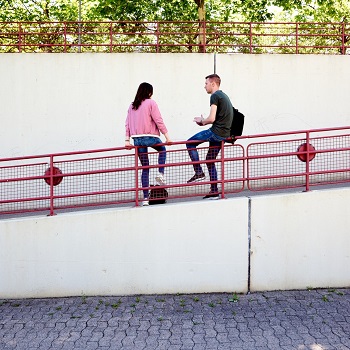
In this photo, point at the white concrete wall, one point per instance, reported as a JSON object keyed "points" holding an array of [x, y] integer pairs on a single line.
{"points": [[60, 103], [298, 240], [67, 102], [158, 249]]}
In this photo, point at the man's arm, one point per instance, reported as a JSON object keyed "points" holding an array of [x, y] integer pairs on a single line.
{"points": [[212, 115]]}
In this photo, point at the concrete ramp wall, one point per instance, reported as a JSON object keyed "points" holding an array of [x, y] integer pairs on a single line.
{"points": [[297, 240], [300, 240], [187, 248]]}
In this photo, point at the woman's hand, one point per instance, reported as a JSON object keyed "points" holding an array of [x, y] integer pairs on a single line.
{"points": [[128, 145], [167, 138]]}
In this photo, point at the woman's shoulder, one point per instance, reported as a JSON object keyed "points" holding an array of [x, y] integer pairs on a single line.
{"points": [[150, 102]]}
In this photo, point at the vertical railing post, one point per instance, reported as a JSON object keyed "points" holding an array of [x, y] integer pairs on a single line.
{"points": [[137, 176], [297, 38], [79, 27], [51, 187], [250, 37], [343, 39], [65, 37], [111, 37], [245, 167], [222, 163], [20, 37], [307, 168]]}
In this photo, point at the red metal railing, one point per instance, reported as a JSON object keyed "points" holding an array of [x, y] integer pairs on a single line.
{"points": [[126, 36], [54, 182]]}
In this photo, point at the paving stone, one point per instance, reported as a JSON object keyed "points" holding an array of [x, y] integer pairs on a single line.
{"points": [[303, 320]]}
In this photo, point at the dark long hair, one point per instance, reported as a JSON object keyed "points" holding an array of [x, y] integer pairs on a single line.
{"points": [[144, 92]]}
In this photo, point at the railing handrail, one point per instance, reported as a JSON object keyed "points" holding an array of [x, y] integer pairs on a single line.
{"points": [[276, 163]]}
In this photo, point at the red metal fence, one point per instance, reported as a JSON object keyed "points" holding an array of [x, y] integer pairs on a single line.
{"points": [[100, 178], [226, 37]]}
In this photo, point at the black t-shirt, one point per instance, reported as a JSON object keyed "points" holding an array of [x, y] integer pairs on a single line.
{"points": [[224, 114]]}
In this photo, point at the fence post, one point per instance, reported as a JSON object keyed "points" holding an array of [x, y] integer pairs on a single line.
{"points": [[19, 37], [250, 37], [79, 37], [343, 39], [65, 37], [111, 37], [222, 163], [307, 168], [297, 38], [52, 213], [136, 176]]}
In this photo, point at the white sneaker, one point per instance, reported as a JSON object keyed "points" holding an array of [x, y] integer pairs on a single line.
{"points": [[145, 203], [160, 179]]}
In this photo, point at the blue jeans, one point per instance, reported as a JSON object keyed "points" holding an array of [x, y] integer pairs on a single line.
{"points": [[144, 142], [214, 149]]}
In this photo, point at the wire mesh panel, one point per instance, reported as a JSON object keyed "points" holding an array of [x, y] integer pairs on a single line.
{"points": [[287, 164], [22, 186], [179, 169], [234, 168], [83, 179], [271, 165], [332, 161], [107, 179]]}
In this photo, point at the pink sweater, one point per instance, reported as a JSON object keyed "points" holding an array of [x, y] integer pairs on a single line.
{"points": [[145, 121]]}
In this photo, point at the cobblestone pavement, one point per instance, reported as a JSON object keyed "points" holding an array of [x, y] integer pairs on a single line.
{"points": [[304, 319]]}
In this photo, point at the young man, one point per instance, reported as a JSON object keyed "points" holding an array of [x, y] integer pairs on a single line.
{"points": [[220, 117]]}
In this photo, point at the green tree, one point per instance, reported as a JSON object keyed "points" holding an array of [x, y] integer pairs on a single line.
{"points": [[46, 10], [196, 11], [314, 10], [319, 16], [184, 10], [195, 24], [30, 10], [175, 10], [49, 15]]}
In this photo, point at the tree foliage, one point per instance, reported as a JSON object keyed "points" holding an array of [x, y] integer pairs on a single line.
{"points": [[186, 25], [185, 10], [44, 10], [175, 10], [314, 10]]}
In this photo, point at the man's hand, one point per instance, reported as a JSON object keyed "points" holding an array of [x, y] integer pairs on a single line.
{"points": [[199, 120]]}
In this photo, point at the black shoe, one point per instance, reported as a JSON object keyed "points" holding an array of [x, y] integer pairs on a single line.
{"points": [[196, 177], [212, 196]]}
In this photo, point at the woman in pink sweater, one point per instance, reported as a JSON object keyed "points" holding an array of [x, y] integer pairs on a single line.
{"points": [[143, 124]]}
